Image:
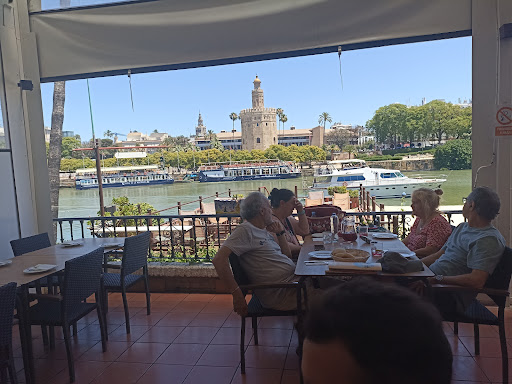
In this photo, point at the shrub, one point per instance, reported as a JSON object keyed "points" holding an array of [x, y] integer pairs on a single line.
{"points": [[455, 154], [343, 189]]}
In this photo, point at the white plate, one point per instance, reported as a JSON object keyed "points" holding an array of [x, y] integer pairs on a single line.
{"points": [[72, 243], [384, 236], [321, 254], [320, 235], [39, 268], [5, 262]]}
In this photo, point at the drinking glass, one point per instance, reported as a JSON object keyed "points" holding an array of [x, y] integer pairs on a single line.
{"points": [[328, 237], [363, 230]]}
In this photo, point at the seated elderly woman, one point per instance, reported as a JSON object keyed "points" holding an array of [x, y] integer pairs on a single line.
{"points": [[283, 203], [430, 230]]}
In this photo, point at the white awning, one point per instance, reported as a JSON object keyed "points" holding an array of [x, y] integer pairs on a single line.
{"points": [[172, 34]]}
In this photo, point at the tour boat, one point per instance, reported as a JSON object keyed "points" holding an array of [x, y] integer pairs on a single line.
{"points": [[248, 170], [380, 182], [125, 176]]}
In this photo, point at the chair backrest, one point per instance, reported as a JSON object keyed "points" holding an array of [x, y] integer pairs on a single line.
{"points": [[239, 274], [29, 244], [500, 278], [135, 254], [313, 202], [81, 279], [341, 200], [7, 302], [315, 195], [321, 221]]}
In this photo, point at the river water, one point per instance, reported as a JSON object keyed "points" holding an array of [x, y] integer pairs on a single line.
{"points": [[85, 203]]}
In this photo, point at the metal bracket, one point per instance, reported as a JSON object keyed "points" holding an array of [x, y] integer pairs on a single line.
{"points": [[506, 31], [26, 85]]}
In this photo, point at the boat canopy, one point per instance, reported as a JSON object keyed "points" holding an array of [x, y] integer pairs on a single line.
{"points": [[128, 168]]}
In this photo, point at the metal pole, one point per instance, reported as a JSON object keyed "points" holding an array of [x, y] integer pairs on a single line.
{"points": [[98, 174]]}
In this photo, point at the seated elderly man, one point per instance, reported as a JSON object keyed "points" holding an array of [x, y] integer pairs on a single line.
{"points": [[369, 332], [472, 251], [264, 255]]}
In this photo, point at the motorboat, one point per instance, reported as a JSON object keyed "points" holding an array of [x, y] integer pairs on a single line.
{"points": [[380, 182]]}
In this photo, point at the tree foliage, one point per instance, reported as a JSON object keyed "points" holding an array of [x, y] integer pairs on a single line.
{"points": [[435, 120], [455, 154]]}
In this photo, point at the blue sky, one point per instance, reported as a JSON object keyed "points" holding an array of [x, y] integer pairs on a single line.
{"points": [[304, 87]]}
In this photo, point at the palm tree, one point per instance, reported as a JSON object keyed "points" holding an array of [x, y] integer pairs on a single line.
{"points": [[324, 118], [283, 119], [233, 116]]}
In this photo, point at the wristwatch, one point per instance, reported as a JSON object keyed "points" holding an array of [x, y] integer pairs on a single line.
{"points": [[439, 278], [280, 233]]}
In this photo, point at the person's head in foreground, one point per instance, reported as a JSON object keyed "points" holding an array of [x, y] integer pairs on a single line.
{"points": [[425, 202], [481, 204], [369, 332]]}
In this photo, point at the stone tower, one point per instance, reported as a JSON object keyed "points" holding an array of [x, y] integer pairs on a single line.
{"points": [[200, 129], [259, 129]]}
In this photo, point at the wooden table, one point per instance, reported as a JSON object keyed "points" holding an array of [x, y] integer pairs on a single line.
{"points": [[57, 254], [319, 270]]}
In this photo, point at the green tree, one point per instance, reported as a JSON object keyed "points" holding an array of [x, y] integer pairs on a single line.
{"points": [[234, 117], [455, 154], [337, 137], [279, 113], [67, 146], [125, 208], [283, 119], [437, 117], [350, 149], [389, 122], [324, 118]]}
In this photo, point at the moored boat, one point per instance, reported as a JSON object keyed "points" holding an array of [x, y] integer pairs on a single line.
{"points": [[248, 170], [124, 176], [380, 182]]}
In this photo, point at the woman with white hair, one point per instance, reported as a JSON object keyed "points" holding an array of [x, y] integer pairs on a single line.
{"points": [[430, 229]]}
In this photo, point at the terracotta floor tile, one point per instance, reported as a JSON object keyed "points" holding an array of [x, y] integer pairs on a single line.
{"points": [[292, 359], [143, 352], [47, 369], [234, 321], [223, 298], [93, 332], [210, 375], [120, 372], [466, 368], [221, 356], [136, 332], [294, 342], [176, 319], [161, 335], [85, 372], [78, 347], [290, 377], [273, 337], [492, 368], [458, 348], [189, 306], [163, 306], [182, 354], [258, 376], [489, 347], [284, 322], [116, 318], [265, 357], [165, 374], [172, 297], [142, 318], [218, 307], [230, 336], [485, 330], [196, 335], [208, 319], [114, 350], [204, 297]]}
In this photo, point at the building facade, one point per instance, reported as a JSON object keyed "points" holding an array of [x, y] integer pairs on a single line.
{"points": [[259, 129]]}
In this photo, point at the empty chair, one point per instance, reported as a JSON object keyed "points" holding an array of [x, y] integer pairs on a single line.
{"points": [[82, 278], [135, 258], [315, 195], [7, 300], [313, 202], [341, 200]]}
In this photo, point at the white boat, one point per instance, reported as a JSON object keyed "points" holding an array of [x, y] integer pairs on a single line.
{"points": [[380, 182], [248, 170]]}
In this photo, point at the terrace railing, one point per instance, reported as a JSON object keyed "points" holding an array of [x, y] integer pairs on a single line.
{"points": [[196, 238]]}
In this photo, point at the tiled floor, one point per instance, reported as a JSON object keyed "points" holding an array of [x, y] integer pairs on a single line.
{"points": [[193, 339]]}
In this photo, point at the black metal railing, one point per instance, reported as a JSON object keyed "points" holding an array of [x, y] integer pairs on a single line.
{"points": [[196, 238]]}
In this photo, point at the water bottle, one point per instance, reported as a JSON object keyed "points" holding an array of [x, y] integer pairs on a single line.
{"points": [[334, 224], [313, 214]]}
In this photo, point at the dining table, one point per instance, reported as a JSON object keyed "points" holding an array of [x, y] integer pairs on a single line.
{"points": [[306, 268], [20, 269]]}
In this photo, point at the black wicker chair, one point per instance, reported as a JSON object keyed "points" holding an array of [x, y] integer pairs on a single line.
{"points": [[135, 258], [82, 278], [7, 302], [497, 288], [30, 244], [255, 309]]}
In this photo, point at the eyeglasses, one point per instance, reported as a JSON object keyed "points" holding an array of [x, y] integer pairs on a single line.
{"points": [[464, 199]]}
